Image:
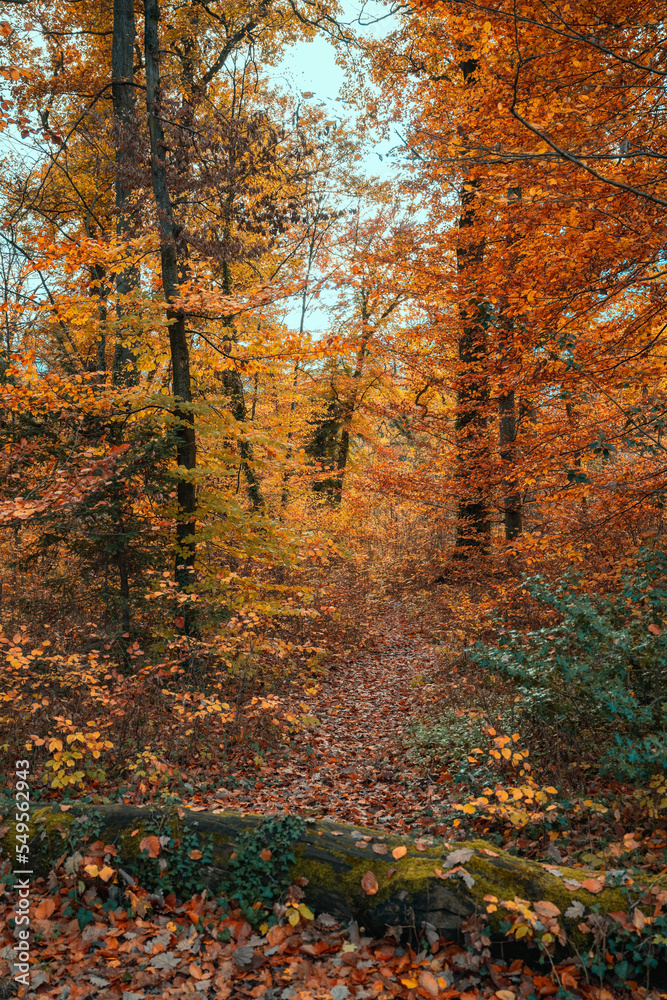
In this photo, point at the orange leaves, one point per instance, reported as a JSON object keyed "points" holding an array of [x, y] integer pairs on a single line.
{"points": [[593, 885], [369, 883], [45, 909], [399, 852], [151, 845]]}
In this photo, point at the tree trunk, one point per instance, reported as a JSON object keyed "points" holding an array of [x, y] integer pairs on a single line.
{"points": [[122, 92], [233, 386], [330, 857], [511, 492], [473, 524], [512, 512], [186, 447], [348, 408], [123, 365]]}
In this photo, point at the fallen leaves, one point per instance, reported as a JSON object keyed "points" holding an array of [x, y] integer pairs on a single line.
{"points": [[399, 852], [151, 845], [369, 883], [459, 857]]}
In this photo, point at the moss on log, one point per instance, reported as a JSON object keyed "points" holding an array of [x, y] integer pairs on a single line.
{"points": [[332, 858]]}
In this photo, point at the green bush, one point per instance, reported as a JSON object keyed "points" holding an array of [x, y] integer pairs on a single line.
{"points": [[449, 742], [600, 667]]}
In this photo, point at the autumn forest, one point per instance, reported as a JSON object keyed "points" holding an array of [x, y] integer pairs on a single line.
{"points": [[333, 582]]}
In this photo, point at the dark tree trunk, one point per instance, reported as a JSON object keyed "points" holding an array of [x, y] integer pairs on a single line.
{"points": [[122, 92], [511, 493], [99, 288], [472, 396], [186, 447], [507, 409], [349, 406], [123, 366], [233, 386], [473, 524]]}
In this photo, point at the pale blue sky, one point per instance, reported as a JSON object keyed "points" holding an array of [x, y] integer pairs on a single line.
{"points": [[312, 67]]}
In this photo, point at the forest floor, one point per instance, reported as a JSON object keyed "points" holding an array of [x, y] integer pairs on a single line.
{"points": [[355, 764], [351, 766]]}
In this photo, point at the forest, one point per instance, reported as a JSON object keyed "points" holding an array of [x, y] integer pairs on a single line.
{"points": [[333, 581]]}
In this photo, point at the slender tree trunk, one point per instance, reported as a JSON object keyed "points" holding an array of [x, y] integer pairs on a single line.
{"points": [[186, 447], [124, 116], [349, 407], [507, 412], [473, 524], [312, 244], [123, 366], [511, 492], [233, 386], [98, 279]]}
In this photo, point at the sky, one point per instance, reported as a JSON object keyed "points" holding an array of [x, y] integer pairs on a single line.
{"points": [[311, 67]]}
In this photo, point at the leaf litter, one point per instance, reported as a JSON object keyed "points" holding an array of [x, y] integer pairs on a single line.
{"points": [[351, 768]]}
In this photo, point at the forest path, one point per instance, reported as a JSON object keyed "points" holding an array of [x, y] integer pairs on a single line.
{"points": [[355, 766]]}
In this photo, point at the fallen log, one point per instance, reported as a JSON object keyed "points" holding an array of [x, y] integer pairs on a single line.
{"points": [[351, 871]]}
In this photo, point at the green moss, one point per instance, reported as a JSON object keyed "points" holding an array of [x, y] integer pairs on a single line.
{"points": [[326, 854]]}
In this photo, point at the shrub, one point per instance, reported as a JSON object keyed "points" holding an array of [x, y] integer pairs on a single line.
{"points": [[599, 667]]}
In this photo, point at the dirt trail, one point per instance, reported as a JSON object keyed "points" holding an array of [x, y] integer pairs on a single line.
{"points": [[353, 766]]}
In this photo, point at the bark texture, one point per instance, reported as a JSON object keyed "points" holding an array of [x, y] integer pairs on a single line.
{"points": [[186, 447], [124, 118], [473, 523]]}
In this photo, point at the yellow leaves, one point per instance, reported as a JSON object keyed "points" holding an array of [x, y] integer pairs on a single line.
{"points": [[595, 806], [299, 911], [105, 873]]}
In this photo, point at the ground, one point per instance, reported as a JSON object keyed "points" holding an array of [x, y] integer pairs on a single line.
{"points": [[353, 766]]}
